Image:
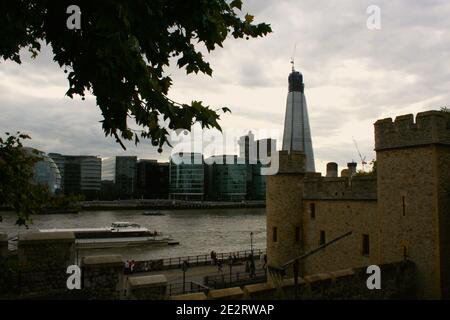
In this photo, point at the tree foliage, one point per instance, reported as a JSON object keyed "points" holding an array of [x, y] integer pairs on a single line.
{"points": [[18, 191], [16, 172], [122, 50]]}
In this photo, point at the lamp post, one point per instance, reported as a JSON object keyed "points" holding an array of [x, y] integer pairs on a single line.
{"points": [[251, 243], [184, 268]]}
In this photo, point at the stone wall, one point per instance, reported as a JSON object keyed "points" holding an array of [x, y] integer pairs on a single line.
{"points": [[336, 218], [103, 277], [342, 188], [3, 245], [413, 162], [43, 259], [284, 205], [147, 287], [431, 127]]}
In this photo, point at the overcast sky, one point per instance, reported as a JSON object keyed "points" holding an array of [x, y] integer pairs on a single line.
{"points": [[353, 76]]}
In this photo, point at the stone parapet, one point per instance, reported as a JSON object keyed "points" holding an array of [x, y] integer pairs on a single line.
{"points": [[342, 188], [43, 259], [431, 127], [147, 287], [103, 277], [293, 162], [226, 294], [3, 245]]}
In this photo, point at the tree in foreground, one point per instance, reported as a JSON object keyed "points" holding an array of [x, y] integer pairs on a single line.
{"points": [[121, 51], [17, 191]]}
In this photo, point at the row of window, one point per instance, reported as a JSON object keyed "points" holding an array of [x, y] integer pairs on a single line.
{"points": [[323, 239]]}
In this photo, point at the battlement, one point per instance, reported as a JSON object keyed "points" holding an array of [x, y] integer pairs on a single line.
{"points": [[431, 127], [343, 188], [293, 162]]}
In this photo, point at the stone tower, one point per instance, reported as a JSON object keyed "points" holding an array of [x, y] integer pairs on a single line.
{"points": [[297, 132], [413, 169], [284, 209]]}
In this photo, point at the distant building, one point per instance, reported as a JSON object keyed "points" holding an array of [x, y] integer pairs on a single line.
{"points": [[255, 154], [122, 171], [80, 175], [187, 176], [297, 131], [46, 172], [152, 179], [247, 148], [226, 178]]}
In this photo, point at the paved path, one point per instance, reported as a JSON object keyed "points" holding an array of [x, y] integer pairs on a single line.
{"points": [[197, 273]]}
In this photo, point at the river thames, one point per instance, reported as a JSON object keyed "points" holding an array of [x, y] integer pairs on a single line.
{"points": [[198, 230]]}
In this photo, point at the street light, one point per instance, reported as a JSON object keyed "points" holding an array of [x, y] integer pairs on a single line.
{"points": [[184, 267], [251, 243]]}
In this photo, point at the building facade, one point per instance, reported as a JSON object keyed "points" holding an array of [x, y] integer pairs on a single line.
{"points": [[46, 172], [226, 178], [122, 172], [81, 175], [297, 131], [187, 176], [399, 213], [152, 179]]}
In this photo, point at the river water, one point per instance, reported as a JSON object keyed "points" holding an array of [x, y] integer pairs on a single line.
{"points": [[198, 231]]}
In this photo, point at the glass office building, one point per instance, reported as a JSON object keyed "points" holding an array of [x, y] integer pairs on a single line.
{"points": [[226, 178], [122, 171], [46, 172], [187, 176], [153, 179], [79, 174]]}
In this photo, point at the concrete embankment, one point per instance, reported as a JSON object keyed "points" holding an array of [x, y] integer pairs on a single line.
{"points": [[167, 205]]}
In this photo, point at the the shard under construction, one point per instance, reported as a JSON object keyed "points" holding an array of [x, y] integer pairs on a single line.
{"points": [[297, 132]]}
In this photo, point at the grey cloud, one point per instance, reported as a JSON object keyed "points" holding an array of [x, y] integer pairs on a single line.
{"points": [[405, 63]]}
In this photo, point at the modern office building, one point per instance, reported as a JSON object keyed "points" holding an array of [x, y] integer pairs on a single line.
{"points": [[226, 178], [187, 176], [122, 171], [152, 179], [81, 175], [248, 148], [255, 154], [297, 132], [46, 172], [59, 160]]}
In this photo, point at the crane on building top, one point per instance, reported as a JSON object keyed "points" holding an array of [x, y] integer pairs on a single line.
{"points": [[363, 158], [293, 57]]}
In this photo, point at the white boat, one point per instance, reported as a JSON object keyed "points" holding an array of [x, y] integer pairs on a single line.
{"points": [[119, 234]]}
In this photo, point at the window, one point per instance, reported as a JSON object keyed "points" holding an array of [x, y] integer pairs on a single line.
{"points": [[312, 208], [403, 205], [322, 238], [275, 234], [297, 234], [365, 245], [405, 253]]}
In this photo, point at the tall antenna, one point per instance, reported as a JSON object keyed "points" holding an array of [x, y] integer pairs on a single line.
{"points": [[293, 57]]}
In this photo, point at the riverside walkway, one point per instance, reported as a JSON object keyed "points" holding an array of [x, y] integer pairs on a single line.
{"points": [[201, 276]]}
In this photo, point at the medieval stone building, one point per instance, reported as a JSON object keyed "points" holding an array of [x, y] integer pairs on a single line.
{"points": [[401, 212]]}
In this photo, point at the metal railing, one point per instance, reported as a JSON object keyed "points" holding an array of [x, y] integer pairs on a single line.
{"points": [[193, 261]]}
